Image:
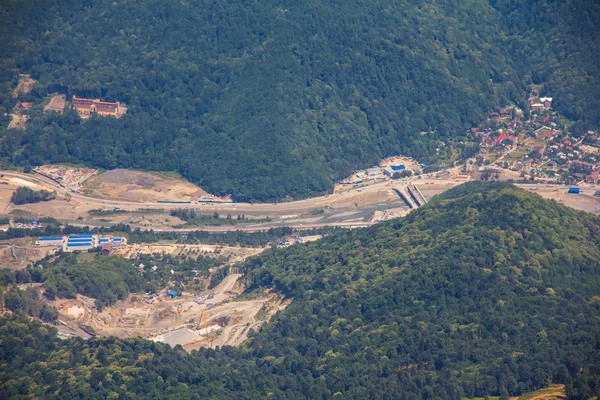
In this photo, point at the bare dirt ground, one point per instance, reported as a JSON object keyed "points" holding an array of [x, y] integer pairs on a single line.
{"points": [[552, 392], [18, 253], [24, 86], [154, 319], [18, 121], [57, 104], [141, 186]]}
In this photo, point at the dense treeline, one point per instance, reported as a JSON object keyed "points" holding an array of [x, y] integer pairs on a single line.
{"points": [[27, 302], [487, 290], [265, 100], [191, 218], [24, 195], [233, 238]]}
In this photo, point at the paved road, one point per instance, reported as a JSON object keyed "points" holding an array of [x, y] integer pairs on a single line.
{"points": [[295, 213]]}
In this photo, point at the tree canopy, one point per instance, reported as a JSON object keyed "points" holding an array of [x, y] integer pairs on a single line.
{"points": [[265, 100], [486, 290]]}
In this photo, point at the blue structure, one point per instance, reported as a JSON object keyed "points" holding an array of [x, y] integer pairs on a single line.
{"points": [[574, 190], [117, 239], [398, 167], [49, 239], [84, 244], [102, 241], [172, 294]]}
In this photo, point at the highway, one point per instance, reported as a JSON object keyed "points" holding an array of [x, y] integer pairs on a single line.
{"points": [[348, 209]]}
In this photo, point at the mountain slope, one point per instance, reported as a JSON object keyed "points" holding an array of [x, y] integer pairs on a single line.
{"points": [[486, 290], [271, 99]]}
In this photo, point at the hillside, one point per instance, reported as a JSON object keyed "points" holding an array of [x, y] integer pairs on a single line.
{"points": [[267, 99], [487, 290]]}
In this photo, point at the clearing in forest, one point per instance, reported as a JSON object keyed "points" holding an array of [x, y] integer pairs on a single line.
{"points": [[141, 186], [57, 103]]}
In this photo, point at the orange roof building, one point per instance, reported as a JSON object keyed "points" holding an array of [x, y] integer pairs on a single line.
{"points": [[88, 107]]}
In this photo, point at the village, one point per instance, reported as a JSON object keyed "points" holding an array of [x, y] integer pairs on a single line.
{"points": [[537, 147]]}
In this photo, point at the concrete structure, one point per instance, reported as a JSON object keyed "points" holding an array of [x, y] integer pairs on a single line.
{"points": [[50, 241], [389, 171], [181, 336], [82, 242], [88, 107], [373, 171]]}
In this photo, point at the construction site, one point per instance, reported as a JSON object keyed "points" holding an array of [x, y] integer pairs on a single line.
{"points": [[217, 317], [69, 178]]}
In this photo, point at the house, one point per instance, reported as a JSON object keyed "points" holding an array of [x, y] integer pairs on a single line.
{"points": [[547, 102], [536, 107], [106, 249], [23, 105], [593, 178], [88, 107]]}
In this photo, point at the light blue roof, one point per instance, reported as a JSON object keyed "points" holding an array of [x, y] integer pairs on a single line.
{"points": [[49, 238], [117, 239], [87, 235], [103, 240], [79, 244], [80, 240]]}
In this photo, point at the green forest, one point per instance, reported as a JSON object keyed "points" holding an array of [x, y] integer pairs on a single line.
{"points": [[486, 290], [24, 195], [268, 100]]}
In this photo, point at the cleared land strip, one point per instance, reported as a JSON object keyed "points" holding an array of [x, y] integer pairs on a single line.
{"points": [[297, 214]]}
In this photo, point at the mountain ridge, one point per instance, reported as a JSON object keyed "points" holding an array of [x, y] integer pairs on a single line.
{"points": [[468, 296]]}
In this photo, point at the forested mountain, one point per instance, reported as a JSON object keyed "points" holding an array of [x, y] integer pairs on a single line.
{"points": [[265, 99], [486, 290]]}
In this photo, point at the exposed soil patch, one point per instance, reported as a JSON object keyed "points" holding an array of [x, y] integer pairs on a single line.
{"points": [[141, 186], [18, 121], [57, 103], [24, 86], [18, 253]]}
